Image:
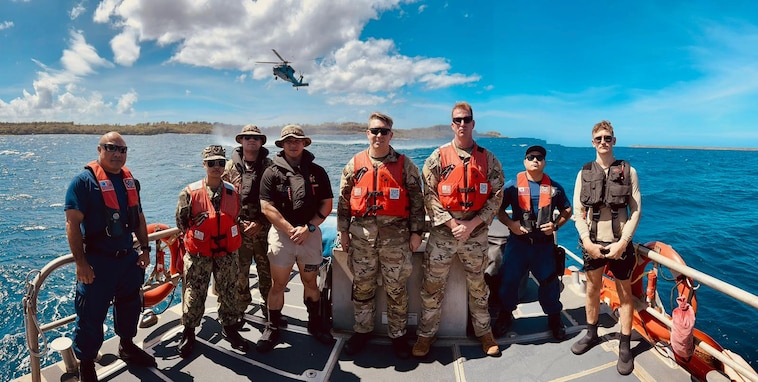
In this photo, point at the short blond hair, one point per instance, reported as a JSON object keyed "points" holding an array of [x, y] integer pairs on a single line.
{"points": [[602, 125], [382, 117], [464, 106]]}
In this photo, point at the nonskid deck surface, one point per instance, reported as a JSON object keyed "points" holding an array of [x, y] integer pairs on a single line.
{"points": [[529, 351]]}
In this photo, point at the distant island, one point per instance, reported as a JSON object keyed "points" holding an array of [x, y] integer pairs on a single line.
{"points": [[153, 128]]}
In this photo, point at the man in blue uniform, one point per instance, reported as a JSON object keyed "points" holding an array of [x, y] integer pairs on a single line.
{"points": [[533, 197], [102, 211]]}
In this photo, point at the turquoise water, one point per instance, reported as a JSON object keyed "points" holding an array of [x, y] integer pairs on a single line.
{"points": [[711, 225]]}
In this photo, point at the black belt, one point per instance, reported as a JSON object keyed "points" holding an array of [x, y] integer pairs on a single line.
{"points": [[114, 254], [535, 239]]}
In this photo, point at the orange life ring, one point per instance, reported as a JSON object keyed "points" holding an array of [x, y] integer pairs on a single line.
{"points": [[652, 329], [155, 295]]}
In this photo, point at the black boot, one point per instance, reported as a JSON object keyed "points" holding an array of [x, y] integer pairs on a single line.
{"points": [[275, 317], [133, 355], [625, 365], [587, 342], [87, 371], [187, 343], [502, 324], [556, 326], [234, 338], [315, 325]]}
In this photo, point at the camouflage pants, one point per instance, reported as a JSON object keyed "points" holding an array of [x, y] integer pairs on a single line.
{"points": [[197, 276], [393, 257], [253, 248], [441, 248]]}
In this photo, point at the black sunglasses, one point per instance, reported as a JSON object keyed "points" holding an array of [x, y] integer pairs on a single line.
{"points": [[254, 137], [216, 162], [537, 157], [466, 119], [111, 148], [377, 130], [607, 138]]}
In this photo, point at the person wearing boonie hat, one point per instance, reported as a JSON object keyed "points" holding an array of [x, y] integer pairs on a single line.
{"points": [[244, 171], [207, 216], [532, 197], [296, 196], [292, 131]]}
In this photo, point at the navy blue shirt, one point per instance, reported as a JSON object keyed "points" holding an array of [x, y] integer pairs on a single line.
{"points": [[84, 195], [559, 199]]}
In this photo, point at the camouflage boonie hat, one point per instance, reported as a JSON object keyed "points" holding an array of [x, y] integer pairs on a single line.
{"points": [[293, 131], [214, 152], [251, 130]]}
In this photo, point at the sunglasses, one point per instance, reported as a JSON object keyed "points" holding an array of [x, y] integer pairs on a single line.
{"points": [[382, 130], [216, 162], [253, 137], [111, 148], [537, 157], [607, 138], [466, 119]]}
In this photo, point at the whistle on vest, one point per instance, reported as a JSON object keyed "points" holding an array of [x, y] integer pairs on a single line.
{"points": [[447, 170], [359, 174]]}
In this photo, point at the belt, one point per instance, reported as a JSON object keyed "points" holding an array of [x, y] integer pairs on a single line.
{"points": [[118, 254], [535, 239]]}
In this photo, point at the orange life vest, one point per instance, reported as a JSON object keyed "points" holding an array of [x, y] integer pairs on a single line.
{"points": [[217, 234], [113, 210], [463, 186], [378, 191], [544, 212]]}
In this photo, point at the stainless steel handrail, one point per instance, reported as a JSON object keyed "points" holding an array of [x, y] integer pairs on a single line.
{"points": [[33, 329]]}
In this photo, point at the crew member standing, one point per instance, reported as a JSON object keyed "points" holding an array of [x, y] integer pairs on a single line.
{"points": [[380, 218], [244, 171], [296, 197], [608, 192], [207, 216], [103, 209], [463, 190], [533, 197]]}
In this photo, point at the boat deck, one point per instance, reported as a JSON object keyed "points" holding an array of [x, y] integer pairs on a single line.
{"points": [[529, 351]]}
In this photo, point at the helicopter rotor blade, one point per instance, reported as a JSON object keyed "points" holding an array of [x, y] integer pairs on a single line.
{"points": [[280, 57], [267, 62]]}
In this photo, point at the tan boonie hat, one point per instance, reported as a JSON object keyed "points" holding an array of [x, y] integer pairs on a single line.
{"points": [[214, 152], [251, 130], [293, 131]]}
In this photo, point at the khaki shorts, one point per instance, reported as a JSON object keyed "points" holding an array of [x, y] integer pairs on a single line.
{"points": [[283, 252]]}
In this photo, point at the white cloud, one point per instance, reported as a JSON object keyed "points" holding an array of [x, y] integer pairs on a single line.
{"points": [[6, 25], [422, 8], [240, 33], [57, 95], [77, 11], [126, 102]]}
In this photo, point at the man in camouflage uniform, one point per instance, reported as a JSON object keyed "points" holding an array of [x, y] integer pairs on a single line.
{"points": [[206, 214], [244, 171], [463, 189], [380, 218]]}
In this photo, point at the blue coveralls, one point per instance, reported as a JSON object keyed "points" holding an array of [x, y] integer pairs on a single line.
{"points": [[531, 252], [118, 278]]}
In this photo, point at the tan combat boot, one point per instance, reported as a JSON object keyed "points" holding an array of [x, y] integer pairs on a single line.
{"points": [[490, 347], [422, 346]]}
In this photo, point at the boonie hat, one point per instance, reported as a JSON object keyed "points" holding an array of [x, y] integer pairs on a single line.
{"points": [[538, 148], [293, 131], [250, 130], [214, 152]]}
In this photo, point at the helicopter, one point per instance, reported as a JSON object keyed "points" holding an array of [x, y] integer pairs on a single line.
{"points": [[284, 71]]}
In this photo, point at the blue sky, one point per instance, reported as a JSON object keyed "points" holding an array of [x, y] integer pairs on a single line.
{"points": [[680, 73]]}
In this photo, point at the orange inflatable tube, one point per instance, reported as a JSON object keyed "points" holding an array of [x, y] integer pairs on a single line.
{"points": [[154, 296]]}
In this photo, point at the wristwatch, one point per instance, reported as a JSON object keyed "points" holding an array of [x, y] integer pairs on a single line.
{"points": [[311, 227]]}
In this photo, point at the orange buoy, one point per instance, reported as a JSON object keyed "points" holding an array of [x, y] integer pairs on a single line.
{"points": [[155, 295]]}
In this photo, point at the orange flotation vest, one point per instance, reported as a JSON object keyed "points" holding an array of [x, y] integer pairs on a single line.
{"points": [[545, 210], [217, 234], [463, 186], [113, 210], [378, 191]]}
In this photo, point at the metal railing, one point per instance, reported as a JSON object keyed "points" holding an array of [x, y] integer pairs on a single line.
{"points": [[35, 333]]}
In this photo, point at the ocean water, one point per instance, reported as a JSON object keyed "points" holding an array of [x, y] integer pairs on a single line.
{"points": [[701, 202]]}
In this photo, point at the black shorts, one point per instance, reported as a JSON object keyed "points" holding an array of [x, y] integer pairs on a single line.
{"points": [[621, 268]]}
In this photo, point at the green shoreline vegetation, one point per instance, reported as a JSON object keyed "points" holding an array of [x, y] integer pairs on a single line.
{"points": [[153, 128]]}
